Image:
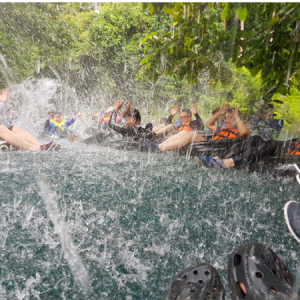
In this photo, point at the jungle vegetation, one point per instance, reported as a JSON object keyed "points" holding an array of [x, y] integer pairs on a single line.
{"points": [[159, 54]]}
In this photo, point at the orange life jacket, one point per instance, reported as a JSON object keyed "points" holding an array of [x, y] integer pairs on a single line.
{"points": [[184, 127], [227, 134], [295, 150]]}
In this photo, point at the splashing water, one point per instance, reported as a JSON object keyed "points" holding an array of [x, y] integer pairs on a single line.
{"points": [[74, 261], [90, 222], [122, 224]]}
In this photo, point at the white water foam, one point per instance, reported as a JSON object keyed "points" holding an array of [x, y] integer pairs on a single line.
{"points": [[74, 260]]}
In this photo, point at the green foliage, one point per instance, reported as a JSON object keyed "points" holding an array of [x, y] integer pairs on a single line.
{"points": [[180, 52], [288, 107], [198, 44]]}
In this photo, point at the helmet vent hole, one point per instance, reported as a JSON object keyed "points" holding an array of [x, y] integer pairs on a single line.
{"points": [[195, 272], [273, 289], [237, 260], [209, 295], [274, 272], [192, 290], [215, 288], [258, 275], [200, 281], [184, 276], [188, 283], [206, 273]]}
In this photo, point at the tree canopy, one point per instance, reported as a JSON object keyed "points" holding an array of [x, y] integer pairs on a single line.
{"points": [[158, 54], [204, 37]]}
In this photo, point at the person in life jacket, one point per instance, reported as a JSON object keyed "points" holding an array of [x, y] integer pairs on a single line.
{"points": [[59, 126], [188, 125], [185, 135], [295, 150], [233, 127]]}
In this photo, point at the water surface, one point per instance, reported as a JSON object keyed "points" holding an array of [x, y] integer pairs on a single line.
{"points": [[89, 222]]}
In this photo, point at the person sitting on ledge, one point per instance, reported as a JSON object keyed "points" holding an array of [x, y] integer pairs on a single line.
{"points": [[131, 130], [233, 128], [167, 127], [185, 135], [19, 138]]}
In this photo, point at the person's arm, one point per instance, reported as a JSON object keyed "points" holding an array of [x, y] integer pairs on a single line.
{"points": [[211, 123], [52, 127], [198, 124], [69, 123], [78, 115], [242, 128], [174, 111]]}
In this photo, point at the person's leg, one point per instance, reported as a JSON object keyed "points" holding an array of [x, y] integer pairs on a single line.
{"points": [[165, 130], [25, 135], [158, 127], [180, 140], [16, 140], [249, 155]]}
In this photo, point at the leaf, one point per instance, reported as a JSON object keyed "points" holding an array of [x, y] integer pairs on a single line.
{"points": [[167, 10], [148, 37], [224, 12], [172, 45], [144, 60], [151, 8], [175, 23], [241, 13]]}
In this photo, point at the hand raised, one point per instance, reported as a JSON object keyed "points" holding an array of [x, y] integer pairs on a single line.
{"points": [[4, 96], [118, 104], [194, 109], [174, 110], [224, 109], [236, 113]]}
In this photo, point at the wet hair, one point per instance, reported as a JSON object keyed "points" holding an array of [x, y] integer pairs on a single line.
{"points": [[135, 114], [215, 110], [163, 120], [188, 111], [56, 113], [231, 110]]}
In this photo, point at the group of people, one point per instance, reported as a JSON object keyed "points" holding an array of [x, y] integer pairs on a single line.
{"points": [[124, 122]]}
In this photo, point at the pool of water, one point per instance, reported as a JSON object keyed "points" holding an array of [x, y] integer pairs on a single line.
{"points": [[89, 222]]}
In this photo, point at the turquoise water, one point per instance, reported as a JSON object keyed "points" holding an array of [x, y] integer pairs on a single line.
{"points": [[94, 223]]}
